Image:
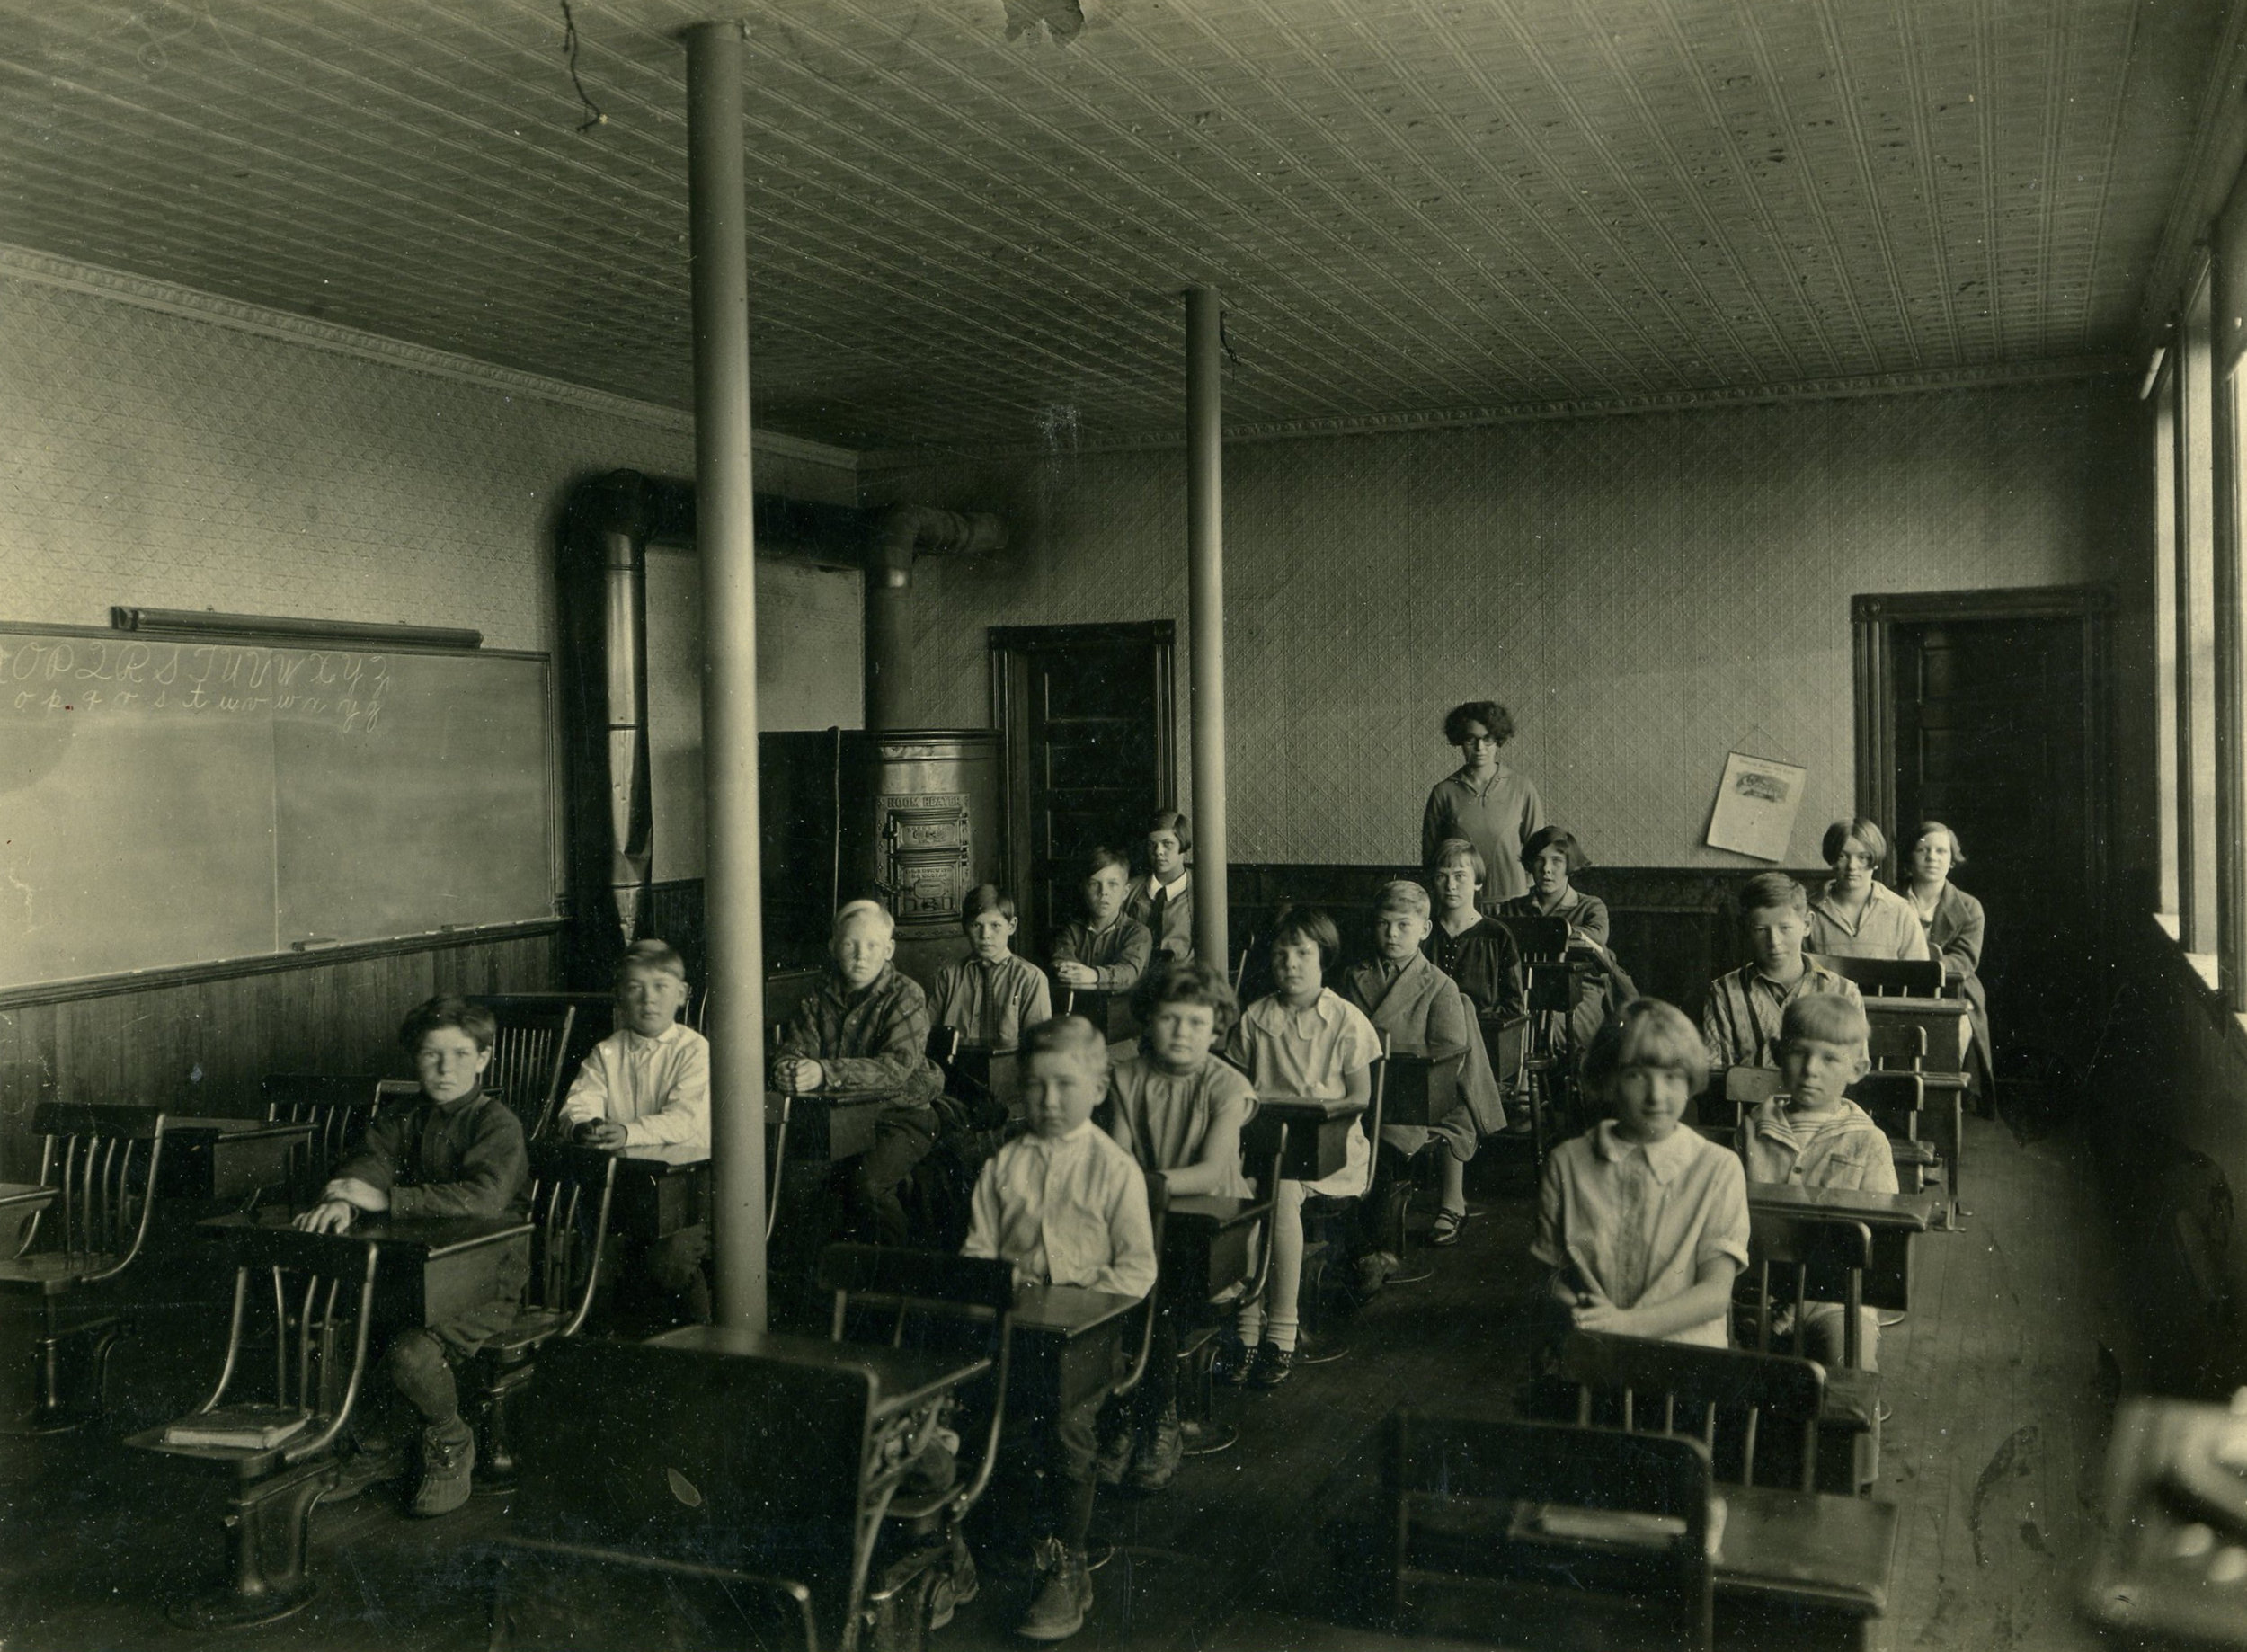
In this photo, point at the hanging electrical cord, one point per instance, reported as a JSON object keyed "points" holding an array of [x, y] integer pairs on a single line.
{"points": [[593, 117]]}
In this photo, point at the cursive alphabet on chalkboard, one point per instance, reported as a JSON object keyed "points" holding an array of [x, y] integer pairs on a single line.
{"points": [[344, 691]]}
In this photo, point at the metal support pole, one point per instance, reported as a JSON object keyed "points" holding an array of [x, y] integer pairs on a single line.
{"points": [[724, 538], [1205, 556]]}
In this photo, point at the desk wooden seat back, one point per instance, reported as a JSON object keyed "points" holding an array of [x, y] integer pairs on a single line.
{"points": [[1888, 977], [1537, 1534], [528, 1057], [922, 1299], [1926, 1141], [571, 1194], [1111, 1012], [309, 1299], [337, 1109], [1737, 1404], [102, 1160], [1799, 1259], [677, 1457]]}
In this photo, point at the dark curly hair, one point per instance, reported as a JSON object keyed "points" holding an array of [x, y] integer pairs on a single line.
{"points": [[1492, 715]]}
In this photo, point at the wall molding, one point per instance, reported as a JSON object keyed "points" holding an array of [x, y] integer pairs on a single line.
{"points": [[140, 292], [1989, 376], [269, 963]]}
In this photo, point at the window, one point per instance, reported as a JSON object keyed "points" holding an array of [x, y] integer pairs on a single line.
{"points": [[2196, 845], [2165, 633]]}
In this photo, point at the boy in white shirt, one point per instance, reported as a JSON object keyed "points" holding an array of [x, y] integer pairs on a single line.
{"points": [[1067, 1206], [647, 1085]]}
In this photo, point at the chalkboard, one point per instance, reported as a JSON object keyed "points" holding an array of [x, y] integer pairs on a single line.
{"points": [[170, 802]]}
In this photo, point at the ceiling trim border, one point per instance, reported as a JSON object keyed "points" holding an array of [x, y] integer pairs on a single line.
{"points": [[47, 269], [1990, 376]]}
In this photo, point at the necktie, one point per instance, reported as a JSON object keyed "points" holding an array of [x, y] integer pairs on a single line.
{"points": [[1155, 910]]}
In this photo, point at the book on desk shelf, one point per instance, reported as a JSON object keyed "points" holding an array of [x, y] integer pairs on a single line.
{"points": [[256, 1427], [1617, 1527]]}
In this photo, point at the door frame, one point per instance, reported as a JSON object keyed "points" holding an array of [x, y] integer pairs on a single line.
{"points": [[1009, 647], [1871, 619]]}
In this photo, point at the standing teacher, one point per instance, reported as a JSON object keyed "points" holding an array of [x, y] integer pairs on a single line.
{"points": [[1483, 801]]}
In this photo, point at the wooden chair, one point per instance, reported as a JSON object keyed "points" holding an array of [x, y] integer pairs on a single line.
{"points": [[1797, 1260], [568, 1213], [526, 1061], [905, 1298], [1896, 1046], [312, 1299], [1740, 1405], [1895, 1101], [1889, 977], [1541, 1535], [102, 1161], [338, 1110]]}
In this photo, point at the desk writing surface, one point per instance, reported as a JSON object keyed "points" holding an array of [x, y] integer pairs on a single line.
{"points": [[1913, 1211], [1068, 1310], [1809, 1546], [21, 1198], [900, 1377], [430, 1237]]}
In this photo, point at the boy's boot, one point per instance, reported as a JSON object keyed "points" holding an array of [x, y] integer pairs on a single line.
{"points": [[1116, 1452], [956, 1583], [1064, 1593], [372, 1459], [449, 1461], [1159, 1455]]}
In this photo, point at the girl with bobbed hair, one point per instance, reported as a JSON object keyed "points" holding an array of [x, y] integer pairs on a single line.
{"points": [[1483, 801], [1953, 923], [1856, 916]]}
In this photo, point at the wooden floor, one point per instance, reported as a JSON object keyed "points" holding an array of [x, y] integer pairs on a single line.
{"points": [[2002, 1383]]}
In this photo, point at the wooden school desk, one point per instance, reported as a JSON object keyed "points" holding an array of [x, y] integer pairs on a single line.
{"points": [[1942, 1020], [227, 1161], [429, 1269], [1892, 1217], [660, 1189], [1068, 1344], [1804, 1571], [1317, 1129]]}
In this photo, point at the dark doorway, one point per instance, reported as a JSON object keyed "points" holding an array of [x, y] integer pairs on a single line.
{"points": [[1086, 714], [1987, 711]]}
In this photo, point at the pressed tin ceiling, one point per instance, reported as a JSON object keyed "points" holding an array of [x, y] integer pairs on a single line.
{"points": [[969, 218]]}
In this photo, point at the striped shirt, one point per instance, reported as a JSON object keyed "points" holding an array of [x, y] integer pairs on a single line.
{"points": [[1741, 1025]]}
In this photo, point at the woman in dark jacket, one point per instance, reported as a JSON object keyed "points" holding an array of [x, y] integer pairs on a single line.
{"points": [[1954, 923]]}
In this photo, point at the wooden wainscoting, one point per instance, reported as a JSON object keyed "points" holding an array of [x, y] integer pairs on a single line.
{"points": [[198, 1040]]}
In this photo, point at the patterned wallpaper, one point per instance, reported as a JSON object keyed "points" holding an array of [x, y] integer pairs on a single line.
{"points": [[168, 461], [1644, 592]]}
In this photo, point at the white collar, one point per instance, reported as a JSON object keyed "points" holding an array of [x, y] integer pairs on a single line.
{"points": [[1172, 887], [1665, 1157], [640, 1044]]}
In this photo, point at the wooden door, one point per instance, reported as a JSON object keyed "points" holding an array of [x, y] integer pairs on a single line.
{"points": [[1086, 714], [1992, 719]]}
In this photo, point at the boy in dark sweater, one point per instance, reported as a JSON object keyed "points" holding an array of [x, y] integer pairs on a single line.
{"points": [[459, 1152]]}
